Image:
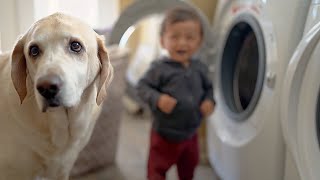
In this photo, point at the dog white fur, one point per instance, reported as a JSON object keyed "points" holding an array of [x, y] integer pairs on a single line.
{"points": [[40, 137]]}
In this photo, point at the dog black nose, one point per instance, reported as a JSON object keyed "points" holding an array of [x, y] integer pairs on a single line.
{"points": [[49, 86]]}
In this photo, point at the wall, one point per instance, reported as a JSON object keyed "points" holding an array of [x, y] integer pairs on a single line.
{"points": [[9, 25], [108, 13], [25, 14], [16, 16], [208, 7]]}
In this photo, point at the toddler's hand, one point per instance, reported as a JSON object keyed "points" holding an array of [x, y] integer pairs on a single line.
{"points": [[206, 107], [166, 103]]}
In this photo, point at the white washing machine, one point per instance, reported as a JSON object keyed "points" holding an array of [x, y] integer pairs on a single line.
{"points": [[301, 103], [221, 9], [258, 40], [214, 145]]}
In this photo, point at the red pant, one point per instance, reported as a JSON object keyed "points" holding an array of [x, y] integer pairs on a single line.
{"points": [[163, 154]]}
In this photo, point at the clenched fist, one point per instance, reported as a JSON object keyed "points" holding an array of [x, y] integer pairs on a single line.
{"points": [[206, 107], [166, 103]]}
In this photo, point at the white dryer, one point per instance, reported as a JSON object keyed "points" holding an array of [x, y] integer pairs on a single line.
{"points": [[258, 40], [301, 104]]}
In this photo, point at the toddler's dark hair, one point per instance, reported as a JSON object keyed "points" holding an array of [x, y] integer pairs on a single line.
{"points": [[179, 14]]}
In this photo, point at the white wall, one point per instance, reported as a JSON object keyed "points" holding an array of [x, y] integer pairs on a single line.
{"points": [[8, 26], [97, 13], [78, 8], [25, 14], [16, 16], [108, 13]]}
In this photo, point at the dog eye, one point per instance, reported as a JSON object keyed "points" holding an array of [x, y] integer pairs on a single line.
{"points": [[75, 46], [34, 51]]}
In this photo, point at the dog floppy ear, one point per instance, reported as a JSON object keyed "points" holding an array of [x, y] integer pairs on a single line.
{"points": [[19, 69], [106, 71]]}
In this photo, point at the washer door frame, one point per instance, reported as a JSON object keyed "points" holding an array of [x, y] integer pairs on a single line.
{"points": [[256, 28], [300, 101], [228, 127], [299, 95], [144, 8]]}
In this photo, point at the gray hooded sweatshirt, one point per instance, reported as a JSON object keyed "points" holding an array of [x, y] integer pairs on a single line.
{"points": [[190, 86]]}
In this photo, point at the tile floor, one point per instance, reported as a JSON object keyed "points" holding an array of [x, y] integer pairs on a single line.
{"points": [[132, 154]]}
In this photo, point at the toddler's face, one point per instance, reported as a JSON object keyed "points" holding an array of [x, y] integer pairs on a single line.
{"points": [[181, 40]]}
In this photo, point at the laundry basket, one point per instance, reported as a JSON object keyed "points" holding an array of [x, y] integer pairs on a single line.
{"points": [[100, 152]]}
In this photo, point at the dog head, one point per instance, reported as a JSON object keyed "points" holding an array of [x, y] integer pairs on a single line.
{"points": [[63, 56]]}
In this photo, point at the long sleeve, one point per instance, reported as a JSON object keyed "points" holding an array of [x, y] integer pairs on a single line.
{"points": [[148, 86], [207, 84]]}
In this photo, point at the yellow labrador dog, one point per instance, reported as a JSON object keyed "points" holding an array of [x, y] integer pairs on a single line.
{"points": [[52, 86]]}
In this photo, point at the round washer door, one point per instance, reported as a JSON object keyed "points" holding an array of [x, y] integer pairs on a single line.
{"points": [[240, 75], [301, 105], [242, 67], [144, 8]]}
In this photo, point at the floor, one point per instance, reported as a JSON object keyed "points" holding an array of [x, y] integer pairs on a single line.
{"points": [[132, 154]]}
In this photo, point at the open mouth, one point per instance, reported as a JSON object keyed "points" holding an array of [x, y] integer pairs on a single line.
{"points": [[181, 52]]}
